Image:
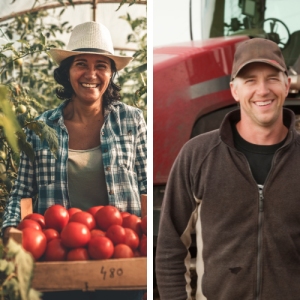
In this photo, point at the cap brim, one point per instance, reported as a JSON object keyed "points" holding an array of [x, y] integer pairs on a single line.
{"points": [[266, 61], [58, 55]]}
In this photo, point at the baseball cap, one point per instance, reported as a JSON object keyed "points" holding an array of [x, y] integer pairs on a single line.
{"points": [[257, 50]]}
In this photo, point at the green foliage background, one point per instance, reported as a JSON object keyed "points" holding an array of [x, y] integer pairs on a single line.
{"points": [[27, 86]]}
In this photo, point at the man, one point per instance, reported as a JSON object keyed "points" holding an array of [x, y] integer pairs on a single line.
{"points": [[238, 189]]}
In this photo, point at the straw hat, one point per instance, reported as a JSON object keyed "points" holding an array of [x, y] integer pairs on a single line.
{"points": [[90, 38]]}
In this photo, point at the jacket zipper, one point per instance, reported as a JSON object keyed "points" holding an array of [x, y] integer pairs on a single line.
{"points": [[260, 221], [259, 235], [259, 243]]}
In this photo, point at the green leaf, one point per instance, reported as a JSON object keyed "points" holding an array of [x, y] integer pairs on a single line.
{"points": [[8, 120], [3, 265], [11, 289], [121, 4], [43, 39], [62, 11], [47, 133], [34, 295], [141, 91], [7, 266], [25, 263], [139, 69], [12, 248], [25, 146], [1, 249], [71, 2], [7, 46], [133, 2], [24, 42]]}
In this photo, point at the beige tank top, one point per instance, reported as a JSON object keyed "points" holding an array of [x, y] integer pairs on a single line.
{"points": [[86, 179]]}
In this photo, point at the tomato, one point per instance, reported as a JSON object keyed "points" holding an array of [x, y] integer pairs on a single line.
{"points": [[100, 247], [55, 251], [96, 232], [56, 217], [107, 216], [75, 235], [85, 218], [131, 238], [116, 234], [123, 251], [29, 223], [125, 214], [51, 234], [144, 225], [143, 246], [37, 217], [92, 210], [72, 211], [34, 241], [78, 254], [133, 222]]}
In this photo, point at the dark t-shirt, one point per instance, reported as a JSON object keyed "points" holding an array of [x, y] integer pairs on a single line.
{"points": [[259, 156]]}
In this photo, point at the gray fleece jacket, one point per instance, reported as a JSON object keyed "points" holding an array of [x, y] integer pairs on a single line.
{"points": [[248, 243]]}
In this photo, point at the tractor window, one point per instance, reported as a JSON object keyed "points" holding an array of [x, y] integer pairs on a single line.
{"points": [[277, 20]]}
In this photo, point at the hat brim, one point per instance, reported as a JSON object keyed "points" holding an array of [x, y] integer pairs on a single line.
{"points": [[266, 61], [58, 55]]}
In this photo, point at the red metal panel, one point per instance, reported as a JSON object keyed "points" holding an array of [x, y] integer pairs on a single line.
{"points": [[179, 71]]}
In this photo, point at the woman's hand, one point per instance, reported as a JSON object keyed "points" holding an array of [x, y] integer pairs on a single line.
{"points": [[6, 232]]}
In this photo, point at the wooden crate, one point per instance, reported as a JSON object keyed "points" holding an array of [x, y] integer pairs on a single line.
{"points": [[109, 274]]}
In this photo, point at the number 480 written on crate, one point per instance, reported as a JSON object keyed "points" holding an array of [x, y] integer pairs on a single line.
{"points": [[112, 272]]}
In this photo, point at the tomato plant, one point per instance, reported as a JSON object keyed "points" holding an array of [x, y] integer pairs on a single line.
{"points": [[56, 217], [75, 235], [37, 217], [85, 218], [100, 247], [34, 241], [123, 251], [116, 234], [29, 223], [55, 251], [78, 254], [107, 216]]}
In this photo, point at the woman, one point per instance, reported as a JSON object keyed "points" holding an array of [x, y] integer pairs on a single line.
{"points": [[102, 142]]}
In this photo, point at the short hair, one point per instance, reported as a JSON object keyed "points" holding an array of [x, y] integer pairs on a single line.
{"points": [[61, 76]]}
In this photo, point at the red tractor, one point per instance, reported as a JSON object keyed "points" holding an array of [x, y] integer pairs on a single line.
{"points": [[191, 80]]}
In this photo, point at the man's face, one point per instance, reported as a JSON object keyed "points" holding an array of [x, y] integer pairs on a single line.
{"points": [[261, 91]]}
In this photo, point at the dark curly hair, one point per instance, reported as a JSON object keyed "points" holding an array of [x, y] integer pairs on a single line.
{"points": [[61, 76]]}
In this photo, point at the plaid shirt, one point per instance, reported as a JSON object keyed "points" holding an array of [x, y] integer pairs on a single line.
{"points": [[124, 153]]}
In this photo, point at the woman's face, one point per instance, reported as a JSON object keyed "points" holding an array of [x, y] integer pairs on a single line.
{"points": [[90, 76]]}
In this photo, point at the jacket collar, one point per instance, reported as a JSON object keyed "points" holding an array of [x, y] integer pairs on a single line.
{"points": [[233, 117]]}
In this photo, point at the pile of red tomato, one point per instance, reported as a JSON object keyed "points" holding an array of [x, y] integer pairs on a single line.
{"points": [[102, 232]]}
